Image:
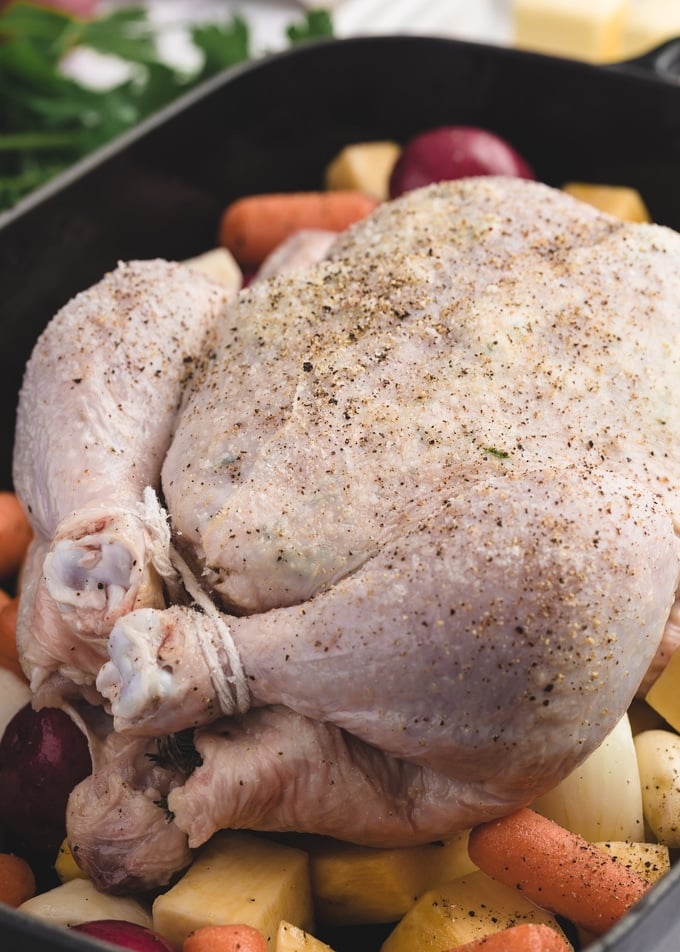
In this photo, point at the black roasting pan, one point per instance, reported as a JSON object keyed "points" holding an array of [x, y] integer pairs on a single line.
{"points": [[274, 125]]}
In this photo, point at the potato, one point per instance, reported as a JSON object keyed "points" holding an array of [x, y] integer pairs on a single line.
{"points": [[238, 878], [658, 753], [460, 911], [617, 200], [291, 938], [453, 152], [79, 901], [366, 166], [355, 885]]}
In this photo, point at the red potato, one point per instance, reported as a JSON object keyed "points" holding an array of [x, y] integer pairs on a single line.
{"points": [[453, 152], [128, 935], [43, 755]]}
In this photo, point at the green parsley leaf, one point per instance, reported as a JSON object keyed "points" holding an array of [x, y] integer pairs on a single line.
{"points": [[316, 25]]}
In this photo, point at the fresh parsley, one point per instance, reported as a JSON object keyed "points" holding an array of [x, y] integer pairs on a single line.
{"points": [[48, 120]]}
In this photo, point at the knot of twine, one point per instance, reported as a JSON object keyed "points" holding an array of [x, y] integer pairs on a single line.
{"points": [[216, 643]]}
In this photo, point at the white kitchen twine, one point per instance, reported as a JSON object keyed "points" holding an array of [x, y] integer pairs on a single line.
{"points": [[231, 689]]}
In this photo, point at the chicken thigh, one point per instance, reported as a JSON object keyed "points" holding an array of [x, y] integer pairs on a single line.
{"points": [[424, 504]]}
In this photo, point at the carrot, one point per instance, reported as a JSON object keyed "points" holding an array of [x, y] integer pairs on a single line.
{"points": [[17, 882], [528, 937], [9, 656], [227, 938], [556, 869], [254, 226], [15, 534]]}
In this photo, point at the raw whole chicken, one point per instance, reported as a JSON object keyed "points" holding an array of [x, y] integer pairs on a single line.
{"points": [[408, 528]]}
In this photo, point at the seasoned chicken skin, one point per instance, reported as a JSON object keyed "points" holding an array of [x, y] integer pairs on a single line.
{"points": [[95, 417], [424, 501]]}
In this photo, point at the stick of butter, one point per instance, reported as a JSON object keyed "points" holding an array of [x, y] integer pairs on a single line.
{"points": [[649, 23], [589, 30]]}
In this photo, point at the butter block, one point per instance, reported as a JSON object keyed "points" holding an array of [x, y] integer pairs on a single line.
{"points": [[664, 694], [617, 200], [649, 23], [590, 30]]}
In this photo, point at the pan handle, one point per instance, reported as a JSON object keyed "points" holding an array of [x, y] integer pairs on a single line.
{"points": [[663, 61]]}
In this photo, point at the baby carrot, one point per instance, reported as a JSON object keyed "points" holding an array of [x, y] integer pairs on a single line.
{"points": [[556, 869], [9, 657], [227, 938], [15, 533], [528, 937], [254, 226], [17, 882]]}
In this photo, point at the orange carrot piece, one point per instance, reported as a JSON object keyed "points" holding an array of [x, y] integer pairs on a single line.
{"points": [[17, 882], [227, 938], [254, 226], [9, 656], [556, 869], [15, 534], [528, 937]]}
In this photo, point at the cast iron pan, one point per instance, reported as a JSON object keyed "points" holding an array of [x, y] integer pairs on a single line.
{"points": [[273, 126]]}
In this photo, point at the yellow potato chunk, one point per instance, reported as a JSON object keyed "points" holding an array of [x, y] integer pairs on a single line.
{"points": [[617, 200], [238, 878], [366, 166], [66, 866], [461, 911], [79, 901], [291, 938], [649, 860], [664, 694], [355, 885], [220, 265]]}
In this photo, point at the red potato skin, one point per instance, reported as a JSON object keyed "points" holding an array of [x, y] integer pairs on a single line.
{"points": [[127, 935], [453, 152], [43, 755]]}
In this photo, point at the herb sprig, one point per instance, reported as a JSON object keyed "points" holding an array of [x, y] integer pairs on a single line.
{"points": [[49, 120]]}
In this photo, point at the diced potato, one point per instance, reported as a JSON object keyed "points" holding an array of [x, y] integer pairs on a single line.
{"points": [[664, 694], [580, 29], [220, 265], [366, 166], [601, 799], [79, 901], [355, 885], [291, 938], [617, 200], [658, 755], [461, 911], [649, 860], [66, 866], [14, 694], [238, 878]]}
